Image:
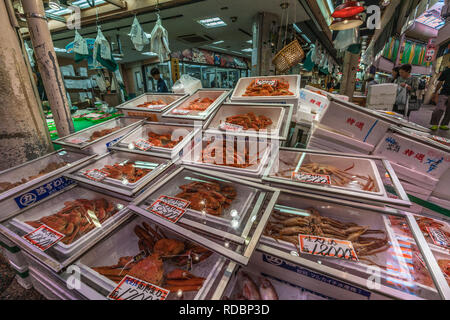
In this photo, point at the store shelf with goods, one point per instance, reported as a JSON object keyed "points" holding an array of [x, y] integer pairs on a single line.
{"points": [[150, 105], [121, 172], [180, 268], [71, 220], [158, 139], [33, 181], [262, 120], [197, 107], [99, 138], [231, 155], [345, 176], [352, 245], [232, 210]]}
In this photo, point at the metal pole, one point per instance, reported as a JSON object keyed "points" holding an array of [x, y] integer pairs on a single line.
{"points": [[48, 65]]}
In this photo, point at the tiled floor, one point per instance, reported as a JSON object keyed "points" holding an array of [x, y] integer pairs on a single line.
{"points": [[423, 117]]}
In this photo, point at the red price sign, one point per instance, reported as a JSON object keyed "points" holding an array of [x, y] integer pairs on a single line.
{"points": [[134, 289], [230, 127], [311, 178], [43, 237], [167, 211], [327, 247], [177, 202], [143, 145], [439, 238]]}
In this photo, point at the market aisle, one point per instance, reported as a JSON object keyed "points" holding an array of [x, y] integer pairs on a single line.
{"points": [[10, 289]]}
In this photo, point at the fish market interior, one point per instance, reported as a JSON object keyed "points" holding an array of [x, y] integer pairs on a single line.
{"points": [[224, 150]]}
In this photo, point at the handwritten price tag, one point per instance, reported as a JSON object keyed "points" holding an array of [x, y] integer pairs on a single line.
{"points": [[439, 238], [157, 106], [230, 127], [143, 145], [327, 247], [176, 202], [181, 111], [96, 175], [167, 211], [43, 237], [261, 82], [134, 289], [312, 178]]}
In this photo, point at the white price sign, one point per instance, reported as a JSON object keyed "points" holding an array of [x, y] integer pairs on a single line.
{"points": [[134, 289], [166, 211], [96, 175], [312, 178], [181, 111], [177, 202], [143, 145], [327, 247], [43, 237]]}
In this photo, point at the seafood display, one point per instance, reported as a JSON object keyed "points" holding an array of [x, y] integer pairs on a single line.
{"points": [[340, 178], [52, 166], [279, 87], [209, 197], [159, 254], [77, 218], [444, 264], [226, 154], [129, 171], [251, 291], [152, 103], [197, 105], [101, 133], [250, 121], [286, 226], [163, 140]]}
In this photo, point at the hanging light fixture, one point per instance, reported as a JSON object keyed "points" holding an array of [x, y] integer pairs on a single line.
{"points": [[346, 23], [348, 9]]}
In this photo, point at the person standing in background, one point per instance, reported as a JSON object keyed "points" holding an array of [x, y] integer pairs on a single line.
{"points": [[421, 89], [395, 74], [161, 84], [441, 98], [411, 84]]}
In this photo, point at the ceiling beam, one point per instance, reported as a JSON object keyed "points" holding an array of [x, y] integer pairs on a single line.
{"points": [[118, 3]]}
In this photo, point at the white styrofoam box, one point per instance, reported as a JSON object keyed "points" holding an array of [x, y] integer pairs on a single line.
{"points": [[304, 113], [382, 94], [337, 96], [25, 283], [442, 189], [440, 202], [409, 187], [18, 259], [20, 269], [316, 101], [384, 107], [320, 144], [338, 139], [418, 161], [354, 122]]}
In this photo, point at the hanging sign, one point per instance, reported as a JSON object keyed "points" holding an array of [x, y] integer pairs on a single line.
{"points": [[430, 54]]}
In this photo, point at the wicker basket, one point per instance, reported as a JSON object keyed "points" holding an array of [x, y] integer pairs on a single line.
{"points": [[289, 56]]}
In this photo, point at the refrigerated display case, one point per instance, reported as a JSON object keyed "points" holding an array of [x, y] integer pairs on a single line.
{"points": [[150, 105], [98, 139]]}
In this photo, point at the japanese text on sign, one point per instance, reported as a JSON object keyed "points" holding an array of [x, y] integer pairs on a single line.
{"points": [[43, 237], [176, 202], [392, 144], [312, 178], [358, 124], [96, 174], [143, 145], [439, 238], [261, 82], [230, 127], [167, 211], [134, 289], [327, 247]]}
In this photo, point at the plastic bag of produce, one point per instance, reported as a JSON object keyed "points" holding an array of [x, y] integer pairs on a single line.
{"points": [[138, 36], [187, 85], [80, 45]]}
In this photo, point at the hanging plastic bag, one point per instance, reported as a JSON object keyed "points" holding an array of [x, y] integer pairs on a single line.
{"points": [[313, 53], [187, 85], [308, 64], [330, 67], [30, 54], [346, 38], [80, 47], [100, 82], [318, 56], [138, 36], [159, 42], [102, 53]]}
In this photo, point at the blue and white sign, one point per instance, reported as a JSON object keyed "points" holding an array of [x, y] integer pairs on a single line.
{"points": [[42, 192], [109, 144]]}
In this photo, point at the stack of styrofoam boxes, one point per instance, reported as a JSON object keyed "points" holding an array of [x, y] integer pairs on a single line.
{"points": [[326, 93], [346, 127], [418, 164], [311, 105], [17, 261], [382, 96]]}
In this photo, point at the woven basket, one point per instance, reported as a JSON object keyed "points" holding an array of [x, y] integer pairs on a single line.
{"points": [[289, 56]]}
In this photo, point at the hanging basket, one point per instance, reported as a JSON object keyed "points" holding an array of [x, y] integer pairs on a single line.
{"points": [[289, 56]]}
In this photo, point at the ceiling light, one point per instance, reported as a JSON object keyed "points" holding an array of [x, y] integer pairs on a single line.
{"points": [[247, 50], [212, 22], [345, 24], [151, 54], [218, 42]]}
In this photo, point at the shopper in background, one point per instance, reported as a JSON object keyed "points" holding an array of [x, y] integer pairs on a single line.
{"points": [[395, 74], [421, 89], [410, 84], [161, 84], [442, 101]]}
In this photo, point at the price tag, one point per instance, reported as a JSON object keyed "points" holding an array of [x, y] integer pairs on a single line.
{"points": [[134, 289], [261, 82], [439, 237], [96, 174], [77, 140], [327, 247], [311, 177], [157, 106], [181, 111], [143, 145], [43, 237], [230, 127], [176, 202], [167, 211]]}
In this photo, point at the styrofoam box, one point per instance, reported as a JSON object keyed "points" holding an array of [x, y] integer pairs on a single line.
{"points": [[332, 145], [304, 113], [294, 87], [18, 259], [440, 202], [382, 94], [409, 187], [20, 269], [405, 162], [316, 101], [383, 107], [358, 125], [25, 283], [442, 189], [337, 96]]}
